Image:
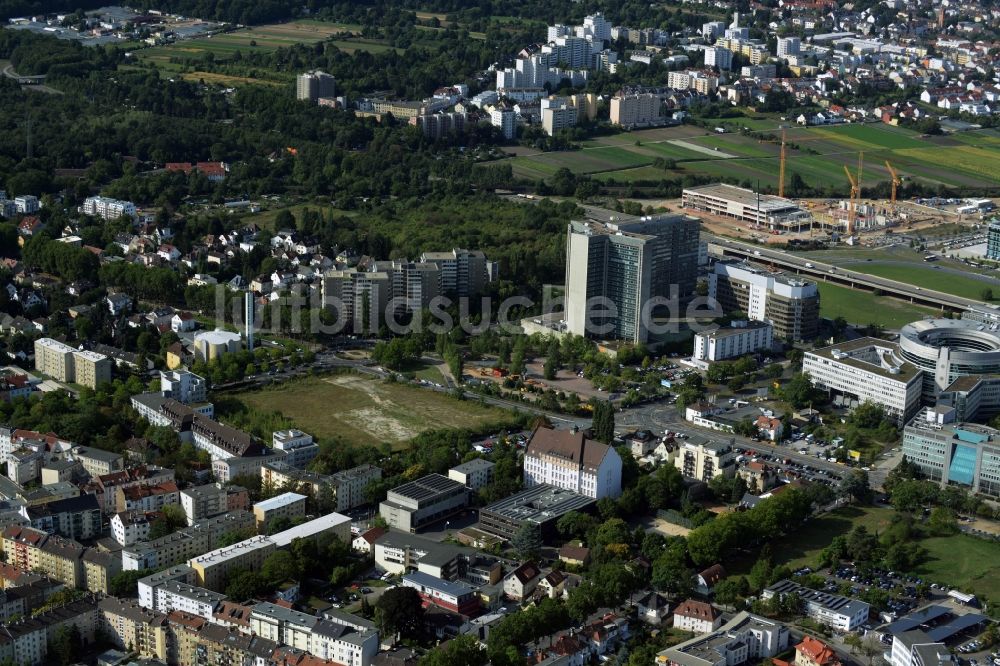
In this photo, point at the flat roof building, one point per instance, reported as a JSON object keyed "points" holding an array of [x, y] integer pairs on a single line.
{"points": [[746, 206], [744, 639], [839, 612], [418, 503], [541, 504], [285, 505], [788, 302], [954, 453]]}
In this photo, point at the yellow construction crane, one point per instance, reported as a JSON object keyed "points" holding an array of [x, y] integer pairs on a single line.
{"points": [[896, 182], [855, 194]]}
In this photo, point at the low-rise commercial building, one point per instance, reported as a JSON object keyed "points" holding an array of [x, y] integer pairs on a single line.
{"points": [[424, 501], [738, 339], [453, 596], [540, 504], [836, 611]]}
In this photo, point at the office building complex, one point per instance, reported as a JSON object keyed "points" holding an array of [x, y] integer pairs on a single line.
{"points": [[614, 272], [738, 339], [839, 613], [789, 303], [947, 349], [66, 364], [993, 241], [866, 370], [311, 86], [567, 459], [630, 110], [954, 453], [419, 503]]}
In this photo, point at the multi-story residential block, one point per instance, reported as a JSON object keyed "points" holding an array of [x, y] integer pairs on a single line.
{"points": [[705, 459], [567, 459], [359, 299], [146, 498], [177, 595], [184, 544], [286, 505], [867, 370], [149, 585], [298, 446], [699, 617], [631, 110], [738, 339], [129, 625], [107, 208], [200, 502], [426, 500], [98, 462], [66, 364], [619, 274], [27, 642], [473, 474], [462, 272], [558, 117], [789, 303], [838, 612], [212, 568], [950, 452], [436, 126], [27, 203], [73, 517], [184, 386], [62, 560], [349, 485], [311, 86], [99, 568], [744, 639]]}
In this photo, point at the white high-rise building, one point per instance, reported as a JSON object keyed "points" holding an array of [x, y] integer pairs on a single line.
{"points": [[595, 27], [184, 386], [506, 120], [313, 85], [713, 29], [788, 46], [719, 56], [567, 459]]}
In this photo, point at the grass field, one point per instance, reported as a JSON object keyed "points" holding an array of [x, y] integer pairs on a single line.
{"points": [[927, 277], [965, 562], [863, 308], [819, 155], [260, 38], [367, 410], [804, 546]]}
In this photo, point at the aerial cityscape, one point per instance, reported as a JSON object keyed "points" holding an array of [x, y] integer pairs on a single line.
{"points": [[506, 332]]}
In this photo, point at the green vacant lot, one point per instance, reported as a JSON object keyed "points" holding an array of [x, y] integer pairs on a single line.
{"points": [[927, 277], [804, 546], [862, 307], [366, 410]]}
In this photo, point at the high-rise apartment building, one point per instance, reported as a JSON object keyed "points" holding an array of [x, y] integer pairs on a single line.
{"points": [[313, 85], [635, 109], [788, 46], [719, 56], [462, 272], [613, 271], [66, 364], [788, 302], [505, 120]]}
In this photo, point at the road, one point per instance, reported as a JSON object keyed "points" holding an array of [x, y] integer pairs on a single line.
{"points": [[9, 72]]}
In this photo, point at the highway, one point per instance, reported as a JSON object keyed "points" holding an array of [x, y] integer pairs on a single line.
{"points": [[835, 274]]}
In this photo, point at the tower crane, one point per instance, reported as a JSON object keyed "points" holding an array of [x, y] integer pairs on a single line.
{"points": [[896, 182]]}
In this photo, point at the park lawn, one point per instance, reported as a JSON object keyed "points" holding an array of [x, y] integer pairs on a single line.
{"points": [[927, 277], [863, 308], [430, 373], [965, 562], [365, 410]]}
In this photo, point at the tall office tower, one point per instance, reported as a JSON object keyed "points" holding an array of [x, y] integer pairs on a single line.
{"points": [[249, 318], [313, 85], [626, 263], [993, 241]]}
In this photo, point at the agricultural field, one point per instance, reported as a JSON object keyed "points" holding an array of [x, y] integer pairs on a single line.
{"points": [[817, 154], [367, 409], [271, 37], [863, 308]]}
